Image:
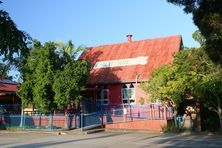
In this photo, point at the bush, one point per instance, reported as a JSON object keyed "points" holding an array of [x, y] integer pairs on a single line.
{"points": [[172, 128]]}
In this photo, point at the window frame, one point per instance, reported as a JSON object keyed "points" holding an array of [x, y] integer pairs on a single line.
{"points": [[129, 98], [102, 100]]}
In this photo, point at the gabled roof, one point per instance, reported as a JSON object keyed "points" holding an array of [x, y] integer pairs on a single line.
{"points": [[8, 86], [159, 51]]}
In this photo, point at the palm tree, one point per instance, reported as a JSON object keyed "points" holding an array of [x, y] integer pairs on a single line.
{"points": [[69, 49]]}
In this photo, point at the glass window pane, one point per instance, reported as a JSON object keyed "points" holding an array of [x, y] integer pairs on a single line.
{"points": [[132, 93], [105, 102], [98, 103], [105, 94], [125, 93], [125, 101], [132, 101]]}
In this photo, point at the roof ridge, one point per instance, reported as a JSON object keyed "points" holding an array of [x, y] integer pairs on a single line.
{"points": [[156, 38]]}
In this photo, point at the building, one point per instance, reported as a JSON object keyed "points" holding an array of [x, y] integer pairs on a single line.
{"points": [[118, 69], [8, 99]]}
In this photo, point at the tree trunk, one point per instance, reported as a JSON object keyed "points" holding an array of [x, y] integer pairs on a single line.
{"points": [[175, 117], [22, 117], [219, 109], [220, 116]]}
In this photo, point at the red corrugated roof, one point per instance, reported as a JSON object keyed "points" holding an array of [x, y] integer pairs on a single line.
{"points": [[7, 87], [158, 50]]}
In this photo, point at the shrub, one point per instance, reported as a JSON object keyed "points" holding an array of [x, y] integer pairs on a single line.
{"points": [[172, 128]]}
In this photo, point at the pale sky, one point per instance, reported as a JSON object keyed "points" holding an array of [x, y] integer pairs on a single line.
{"points": [[99, 22]]}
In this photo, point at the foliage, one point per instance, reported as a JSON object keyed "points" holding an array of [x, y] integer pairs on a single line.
{"points": [[38, 76], [4, 69], [172, 128], [213, 121], [142, 101], [177, 80], [207, 15], [51, 80], [197, 36], [69, 49], [192, 74], [13, 42], [70, 82]]}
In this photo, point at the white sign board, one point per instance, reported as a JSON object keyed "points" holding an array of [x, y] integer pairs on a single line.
{"points": [[121, 62]]}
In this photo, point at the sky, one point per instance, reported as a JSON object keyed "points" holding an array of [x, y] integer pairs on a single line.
{"points": [[99, 22]]}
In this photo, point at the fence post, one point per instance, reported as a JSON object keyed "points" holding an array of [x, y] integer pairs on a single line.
{"points": [[40, 122], [50, 121], [24, 121], [102, 121], [164, 113], [67, 121], [66, 126], [81, 119]]}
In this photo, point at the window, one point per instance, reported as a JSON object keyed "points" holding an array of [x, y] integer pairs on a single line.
{"points": [[102, 96], [128, 94], [125, 94]]}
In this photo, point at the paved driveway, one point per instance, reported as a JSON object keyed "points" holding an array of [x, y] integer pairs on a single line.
{"points": [[107, 140]]}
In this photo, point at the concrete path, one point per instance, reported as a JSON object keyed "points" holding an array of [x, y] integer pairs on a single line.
{"points": [[106, 140]]}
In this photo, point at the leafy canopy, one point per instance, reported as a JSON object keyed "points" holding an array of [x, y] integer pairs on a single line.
{"points": [[187, 75], [4, 69], [13, 45], [51, 80], [207, 16], [13, 42]]}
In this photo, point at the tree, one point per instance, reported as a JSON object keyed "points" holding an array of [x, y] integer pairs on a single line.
{"points": [[4, 69], [13, 45], [69, 49], [210, 91], [192, 72], [70, 82], [207, 15], [74, 74], [197, 36], [13, 42], [38, 77], [51, 80]]}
